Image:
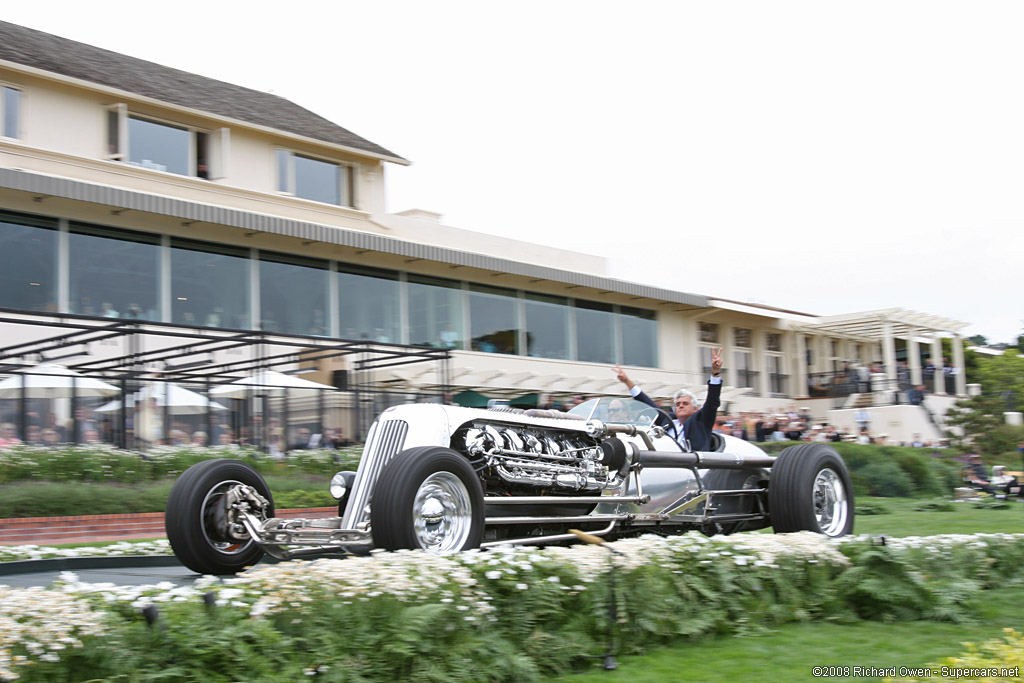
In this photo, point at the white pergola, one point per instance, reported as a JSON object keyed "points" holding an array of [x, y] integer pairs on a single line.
{"points": [[884, 326]]}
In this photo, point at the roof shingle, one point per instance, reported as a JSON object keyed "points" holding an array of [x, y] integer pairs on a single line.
{"points": [[48, 52]]}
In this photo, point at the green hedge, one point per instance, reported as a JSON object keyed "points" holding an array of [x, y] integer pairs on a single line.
{"points": [[894, 471], [65, 499], [102, 463]]}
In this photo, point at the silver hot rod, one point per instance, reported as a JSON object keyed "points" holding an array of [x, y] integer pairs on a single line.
{"points": [[447, 478]]}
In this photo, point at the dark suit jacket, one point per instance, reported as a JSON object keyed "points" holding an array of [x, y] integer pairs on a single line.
{"points": [[697, 428]]}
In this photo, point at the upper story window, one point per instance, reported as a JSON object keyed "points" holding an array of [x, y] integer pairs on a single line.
{"points": [[773, 341], [161, 146], [742, 337], [709, 333], [10, 110], [315, 179]]}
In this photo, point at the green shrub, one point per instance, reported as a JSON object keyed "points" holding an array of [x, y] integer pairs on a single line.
{"points": [[66, 499], [870, 509], [940, 505], [69, 499], [887, 480]]}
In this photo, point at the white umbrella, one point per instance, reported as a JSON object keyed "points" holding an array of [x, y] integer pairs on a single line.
{"points": [[267, 379], [179, 400], [55, 381]]}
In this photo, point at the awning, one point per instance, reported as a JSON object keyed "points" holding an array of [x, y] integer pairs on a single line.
{"points": [[471, 399], [525, 401]]}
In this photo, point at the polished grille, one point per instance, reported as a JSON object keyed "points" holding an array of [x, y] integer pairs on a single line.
{"points": [[385, 440]]}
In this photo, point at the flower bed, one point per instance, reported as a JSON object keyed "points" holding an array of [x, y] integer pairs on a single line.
{"points": [[506, 614]]}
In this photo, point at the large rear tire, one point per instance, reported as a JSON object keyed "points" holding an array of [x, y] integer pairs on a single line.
{"points": [[810, 490], [429, 498], [195, 520]]}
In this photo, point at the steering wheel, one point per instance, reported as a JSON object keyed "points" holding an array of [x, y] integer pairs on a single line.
{"points": [[648, 415], [653, 414]]}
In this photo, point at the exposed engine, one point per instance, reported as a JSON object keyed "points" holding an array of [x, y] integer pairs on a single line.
{"points": [[514, 458]]}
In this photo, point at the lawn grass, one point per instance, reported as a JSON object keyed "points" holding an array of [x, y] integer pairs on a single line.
{"points": [[790, 652], [964, 518]]}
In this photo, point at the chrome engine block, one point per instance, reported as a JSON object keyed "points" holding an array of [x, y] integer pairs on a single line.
{"points": [[516, 457]]}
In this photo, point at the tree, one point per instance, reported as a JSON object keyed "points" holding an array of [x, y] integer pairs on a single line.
{"points": [[984, 428], [1003, 376], [978, 340]]}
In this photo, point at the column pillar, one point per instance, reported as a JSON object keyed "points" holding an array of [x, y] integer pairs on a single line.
{"points": [[760, 357], [914, 358], [960, 374], [939, 379], [889, 354], [799, 388]]}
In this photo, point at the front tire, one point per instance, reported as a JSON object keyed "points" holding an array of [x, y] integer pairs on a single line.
{"points": [[195, 522], [429, 498], [810, 490]]}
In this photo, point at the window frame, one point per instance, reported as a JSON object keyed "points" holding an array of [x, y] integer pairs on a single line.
{"points": [[4, 115], [346, 189], [116, 122]]}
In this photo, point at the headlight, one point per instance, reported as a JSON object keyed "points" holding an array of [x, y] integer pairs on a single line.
{"points": [[341, 483]]}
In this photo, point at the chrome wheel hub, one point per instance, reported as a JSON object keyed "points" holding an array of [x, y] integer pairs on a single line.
{"points": [[442, 513], [831, 505]]}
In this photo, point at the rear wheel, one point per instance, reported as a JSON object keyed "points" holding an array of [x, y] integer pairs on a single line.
{"points": [[430, 498], [202, 532], [810, 491]]}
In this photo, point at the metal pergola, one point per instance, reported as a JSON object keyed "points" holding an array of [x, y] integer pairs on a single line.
{"points": [[131, 353]]}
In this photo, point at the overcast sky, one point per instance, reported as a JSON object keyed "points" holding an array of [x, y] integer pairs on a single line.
{"points": [[826, 157]]}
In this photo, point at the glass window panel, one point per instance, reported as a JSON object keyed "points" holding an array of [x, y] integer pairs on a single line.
{"points": [[158, 146], [435, 312], [113, 273], [317, 180], [202, 155], [706, 354], [293, 295], [742, 337], [773, 341], [28, 262], [370, 304], [493, 319], [595, 332], [776, 378], [284, 183], [639, 336], [547, 326], [745, 375], [709, 333], [209, 285], [10, 107], [113, 132]]}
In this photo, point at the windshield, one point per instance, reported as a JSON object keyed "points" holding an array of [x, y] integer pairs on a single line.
{"points": [[615, 409]]}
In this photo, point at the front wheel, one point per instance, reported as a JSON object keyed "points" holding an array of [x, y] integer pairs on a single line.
{"points": [[430, 498], [199, 522], [810, 490]]}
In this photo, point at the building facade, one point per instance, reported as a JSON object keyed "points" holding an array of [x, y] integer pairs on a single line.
{"points": [[132, 191]]}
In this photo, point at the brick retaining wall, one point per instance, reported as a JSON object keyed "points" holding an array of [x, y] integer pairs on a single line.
{"points": [[93, 528]]}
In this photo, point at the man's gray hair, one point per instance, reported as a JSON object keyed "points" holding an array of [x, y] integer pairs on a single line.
{"points": [[683, 392]]}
